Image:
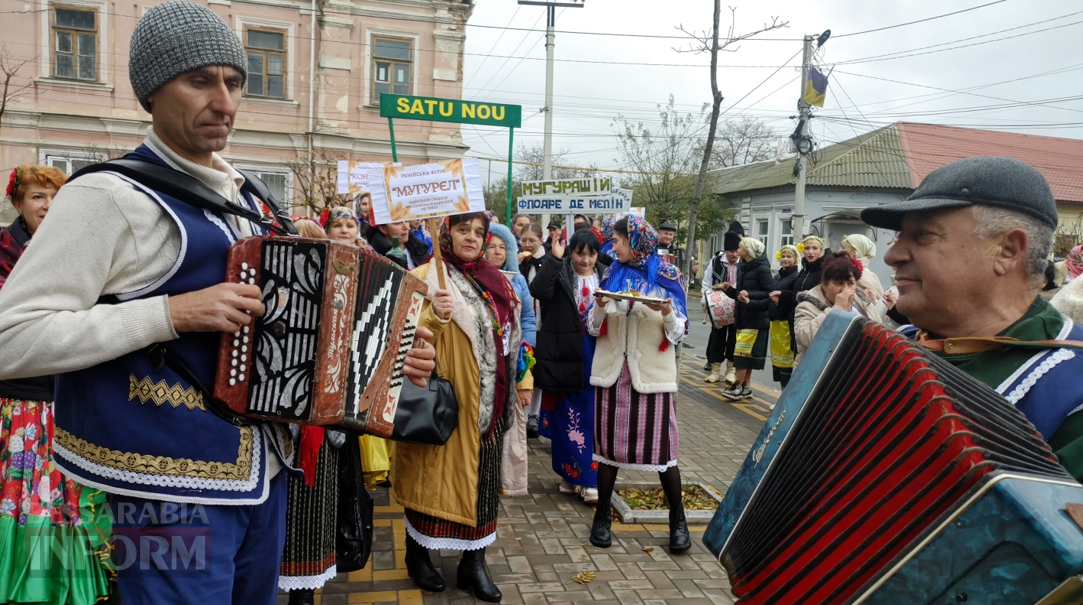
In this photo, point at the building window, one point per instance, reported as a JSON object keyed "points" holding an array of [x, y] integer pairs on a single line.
{"points": [[277, 183], [787, 232], [75, 43], [70, 164], [266, 63], [392, 69], [761, 231]]}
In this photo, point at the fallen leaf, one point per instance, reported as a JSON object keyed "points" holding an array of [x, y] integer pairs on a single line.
{"points": [[648, 549], [518, 539], [584, 577]]}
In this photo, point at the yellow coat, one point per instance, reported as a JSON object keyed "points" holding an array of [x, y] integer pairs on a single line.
{"points": [[442, 481]]}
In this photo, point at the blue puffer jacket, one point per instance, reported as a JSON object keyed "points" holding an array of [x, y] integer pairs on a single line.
{"points": [[526, 315]]}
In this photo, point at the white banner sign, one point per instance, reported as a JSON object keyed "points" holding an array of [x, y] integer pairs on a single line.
{"points": [[571, 196], [353, 177], [639, 211], [404, 193]]}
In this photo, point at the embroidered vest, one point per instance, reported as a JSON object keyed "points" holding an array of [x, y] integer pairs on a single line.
{"points": [[128, 427]]}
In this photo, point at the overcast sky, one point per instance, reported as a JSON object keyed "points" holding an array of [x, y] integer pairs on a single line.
{"points": [[591, 92]]}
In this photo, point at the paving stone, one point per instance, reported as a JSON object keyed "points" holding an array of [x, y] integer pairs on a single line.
{"points": [[543, 539]]}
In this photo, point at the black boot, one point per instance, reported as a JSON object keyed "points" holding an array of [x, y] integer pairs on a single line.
{"points": [[473, 575], [600, 533], [532, 428], [419, 566], [679, 540], [302, 597]]}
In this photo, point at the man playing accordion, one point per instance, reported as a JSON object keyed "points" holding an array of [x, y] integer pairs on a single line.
{"points": [[969, 262], [120, 267]]}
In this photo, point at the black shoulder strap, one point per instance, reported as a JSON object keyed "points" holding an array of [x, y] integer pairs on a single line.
{"points": [[190, 190]]}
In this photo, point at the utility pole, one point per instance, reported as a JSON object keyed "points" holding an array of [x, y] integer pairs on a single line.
{"points": [[797, 226], [550, 53]]}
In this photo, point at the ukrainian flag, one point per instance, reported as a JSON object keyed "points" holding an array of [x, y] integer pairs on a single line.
{"points": [[815, 87]]}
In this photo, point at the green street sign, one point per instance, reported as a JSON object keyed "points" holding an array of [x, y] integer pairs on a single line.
{"points": [[457, 111]]}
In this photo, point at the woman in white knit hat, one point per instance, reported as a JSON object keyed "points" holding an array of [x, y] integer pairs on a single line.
{"points": [[864, 250]]}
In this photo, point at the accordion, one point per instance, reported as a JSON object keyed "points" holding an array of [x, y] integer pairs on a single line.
{"points": [[885, 475], [331, 344]]}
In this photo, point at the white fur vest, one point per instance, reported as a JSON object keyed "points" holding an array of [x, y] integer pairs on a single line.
{"points": [[635, 337]]}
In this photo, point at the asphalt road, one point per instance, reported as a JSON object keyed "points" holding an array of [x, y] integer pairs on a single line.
{"points": [[695, 346]]}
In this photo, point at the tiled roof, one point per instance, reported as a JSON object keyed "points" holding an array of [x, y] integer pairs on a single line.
{"points": [[901, 155], [929, 146]]}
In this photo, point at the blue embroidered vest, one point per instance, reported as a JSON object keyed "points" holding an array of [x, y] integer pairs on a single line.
{"points": [[128, 427]]}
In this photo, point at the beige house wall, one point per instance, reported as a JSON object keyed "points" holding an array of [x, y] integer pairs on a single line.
{"points": [[59, 117]]}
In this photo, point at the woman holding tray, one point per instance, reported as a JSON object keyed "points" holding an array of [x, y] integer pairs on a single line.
{"points": [[635, 374]]}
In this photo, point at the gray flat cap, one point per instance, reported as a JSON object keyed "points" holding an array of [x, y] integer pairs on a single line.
{"points": [[668, 226], [178, 37], [985, 181]]}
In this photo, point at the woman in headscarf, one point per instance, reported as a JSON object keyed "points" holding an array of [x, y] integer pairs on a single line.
{"points": [[1074, 264], [635, 375], [607, 236], [452, 493], [781, 351], [341, 224], [812, 250], [38, 505], [863, 250], [501, 253], [751, 291]]}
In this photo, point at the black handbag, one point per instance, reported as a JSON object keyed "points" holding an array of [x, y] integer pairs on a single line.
{"points": [[426, 415], [353, 536]]}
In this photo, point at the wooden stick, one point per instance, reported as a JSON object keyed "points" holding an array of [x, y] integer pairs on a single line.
{"points": [[434, 232]]}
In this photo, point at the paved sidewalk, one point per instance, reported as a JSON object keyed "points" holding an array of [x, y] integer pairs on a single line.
{"points": [[542, 540]]}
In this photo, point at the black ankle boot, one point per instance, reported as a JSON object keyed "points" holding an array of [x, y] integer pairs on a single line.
{"points": [[473, 575], [600, 533], [302, 597], [419, 566], [679, 540]]}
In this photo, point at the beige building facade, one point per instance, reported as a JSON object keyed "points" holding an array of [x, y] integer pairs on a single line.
{"points": [[314, 82]]}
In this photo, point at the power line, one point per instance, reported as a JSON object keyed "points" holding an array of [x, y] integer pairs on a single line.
{"points": [[501, 37], [880, 29]]}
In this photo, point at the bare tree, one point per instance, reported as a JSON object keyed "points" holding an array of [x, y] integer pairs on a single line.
{"points": [[742, 141], [10, 86], [531, 157], [710, 42], [665, 157], [323, 184]]}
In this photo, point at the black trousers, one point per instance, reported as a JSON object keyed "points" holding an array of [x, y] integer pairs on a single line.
{"points": [[721, 343]]}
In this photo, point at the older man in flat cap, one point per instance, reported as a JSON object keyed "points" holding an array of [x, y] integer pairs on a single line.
{"points": [[969, 262], [198, 502]]}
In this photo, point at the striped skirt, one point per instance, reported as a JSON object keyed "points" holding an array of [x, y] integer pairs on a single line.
{"points": [[633, 430], [308, 559], [435, 533]]}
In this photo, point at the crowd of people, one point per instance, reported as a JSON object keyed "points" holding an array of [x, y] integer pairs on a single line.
{"points": [[571, 333]]}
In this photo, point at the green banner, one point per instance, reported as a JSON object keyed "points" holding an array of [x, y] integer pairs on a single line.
{"points": [[450, 110]]}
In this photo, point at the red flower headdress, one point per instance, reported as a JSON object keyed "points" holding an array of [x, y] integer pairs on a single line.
{"points": [[13, 183]]}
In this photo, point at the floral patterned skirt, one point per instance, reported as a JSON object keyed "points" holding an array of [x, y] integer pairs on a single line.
{"points": [[39, 507], [568, 419]]}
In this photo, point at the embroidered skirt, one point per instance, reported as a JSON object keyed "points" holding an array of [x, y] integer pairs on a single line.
{"points": [[751, 350], [781, 353], [39, 506], [308, 559], [634, 430], [569, 421], [435, 533]]}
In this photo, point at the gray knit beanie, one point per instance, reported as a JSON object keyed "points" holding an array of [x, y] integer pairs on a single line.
{"points": [[175, 38]]}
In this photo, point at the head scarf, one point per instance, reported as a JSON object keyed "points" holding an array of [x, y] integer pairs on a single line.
{"points": [[489, 282], [788, 248], [810, 238], [862, 246], [646, 272], [754, 247], [330, 215], [1074, 261], [607, 228]]}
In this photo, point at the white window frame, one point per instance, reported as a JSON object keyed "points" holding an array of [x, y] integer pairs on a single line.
{"points": [[262, 170], [782, 220], [48, 44], [49, 158], [370, 44], [239, 23]]}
